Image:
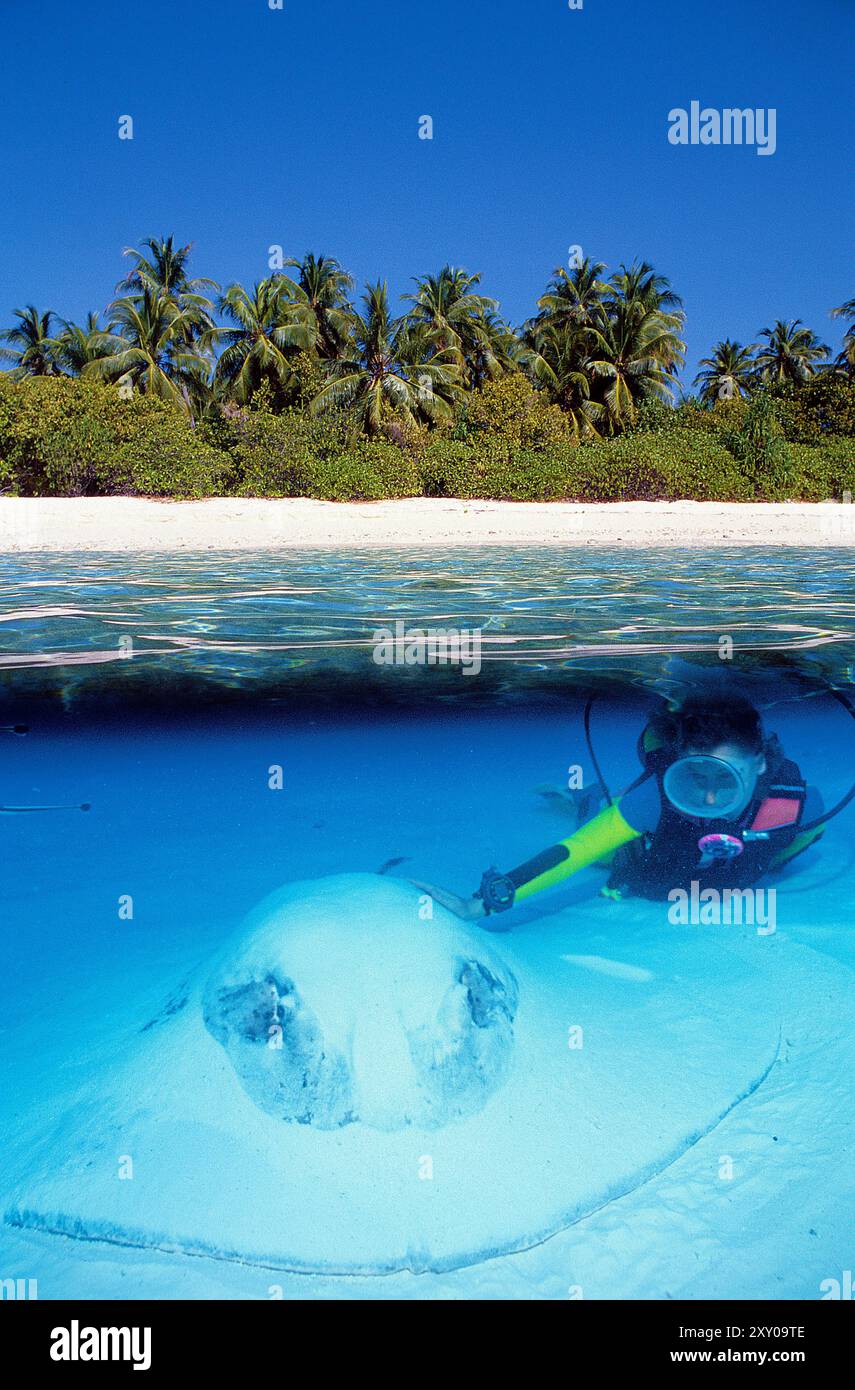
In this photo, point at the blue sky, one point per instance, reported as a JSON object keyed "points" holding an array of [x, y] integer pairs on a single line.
{"points": [[300, 127]]}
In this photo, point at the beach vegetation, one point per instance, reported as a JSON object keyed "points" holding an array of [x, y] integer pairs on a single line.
{"points": [[299, 386]]}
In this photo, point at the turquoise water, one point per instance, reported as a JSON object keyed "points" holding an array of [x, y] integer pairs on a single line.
{"points": [[225, 720], [225, 627]]}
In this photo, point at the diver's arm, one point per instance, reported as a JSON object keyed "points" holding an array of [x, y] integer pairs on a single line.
{"points": [[620, 822], [624, 819], [599, 837]]}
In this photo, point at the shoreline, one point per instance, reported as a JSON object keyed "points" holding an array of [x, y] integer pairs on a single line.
{"points": [[132, 524]]}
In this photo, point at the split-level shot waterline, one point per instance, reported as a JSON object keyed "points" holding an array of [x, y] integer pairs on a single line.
{"points": [[427, 672]]}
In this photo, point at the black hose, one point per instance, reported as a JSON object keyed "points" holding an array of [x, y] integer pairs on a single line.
{"points": [[597, 769]]}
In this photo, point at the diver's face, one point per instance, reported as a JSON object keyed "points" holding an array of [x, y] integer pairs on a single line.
{"points": [[712, 786]]}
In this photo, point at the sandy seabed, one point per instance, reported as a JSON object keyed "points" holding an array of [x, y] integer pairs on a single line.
{"points": [[113, 524]]}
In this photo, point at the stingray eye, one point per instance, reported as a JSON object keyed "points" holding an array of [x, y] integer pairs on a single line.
{"points": [[276, 1047], [486, 996], [246, 1012]]}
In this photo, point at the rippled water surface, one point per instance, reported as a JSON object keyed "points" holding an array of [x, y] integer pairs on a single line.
{"points": [[106, 628]]}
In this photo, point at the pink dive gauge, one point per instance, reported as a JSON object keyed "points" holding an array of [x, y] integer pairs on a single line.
{"points": [[721, 846]]}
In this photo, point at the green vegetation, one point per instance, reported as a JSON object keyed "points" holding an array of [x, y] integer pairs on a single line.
{"points": [[292, 389]]}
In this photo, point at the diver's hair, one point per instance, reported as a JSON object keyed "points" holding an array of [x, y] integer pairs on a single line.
{"points": [[703, 723]]}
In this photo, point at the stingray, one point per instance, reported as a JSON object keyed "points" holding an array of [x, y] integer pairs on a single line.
{"points": [[359, 1083]]}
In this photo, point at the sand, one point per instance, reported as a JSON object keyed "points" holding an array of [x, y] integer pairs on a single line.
{"points": [[113, 524]]}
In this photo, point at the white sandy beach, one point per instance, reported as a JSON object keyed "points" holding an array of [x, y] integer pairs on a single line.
{"points": [[113, 524]]}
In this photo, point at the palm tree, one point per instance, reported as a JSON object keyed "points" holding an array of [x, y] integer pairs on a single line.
{"points": [[164, 272], [602, 346], [324, 287], [556, 357], [74, 347], [164, 269], [454, 319], [573, 297], [32, 345], [846, 358], [635, 354], [728, 373], [204, 394], [495, 350], [270, 328], [394, 372], [148, 344], [636, 348], [640, 284], [790, 354]]}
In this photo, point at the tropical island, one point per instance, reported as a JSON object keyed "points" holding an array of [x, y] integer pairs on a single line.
{"points": [[297, 388]]}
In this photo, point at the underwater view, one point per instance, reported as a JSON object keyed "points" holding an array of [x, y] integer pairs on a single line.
{"points": [[428, 923]]}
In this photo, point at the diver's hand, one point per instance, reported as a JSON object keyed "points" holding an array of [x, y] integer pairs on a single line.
{"points": [[467, 909]]}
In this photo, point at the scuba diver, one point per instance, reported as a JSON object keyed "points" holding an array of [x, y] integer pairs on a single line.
{"points": [[20, 730], [717, 803]]}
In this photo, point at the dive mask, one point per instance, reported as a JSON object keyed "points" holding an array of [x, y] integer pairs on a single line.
{"points": [[705, 787]]}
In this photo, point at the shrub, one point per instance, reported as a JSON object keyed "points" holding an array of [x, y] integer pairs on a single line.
{"points": [[677, 465], [57, 435], [371, 470], [823, 406], [490, 467], [764, 457], [720, 420], [274, 455], [511, 409], [653, 416], [165, 457], [60, 436], [294, 455], [644, 466], [446, 469], [64, 437], [826, 472]]}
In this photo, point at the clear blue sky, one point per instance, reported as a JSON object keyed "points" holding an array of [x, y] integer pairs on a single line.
{"points": [[299, 127]]}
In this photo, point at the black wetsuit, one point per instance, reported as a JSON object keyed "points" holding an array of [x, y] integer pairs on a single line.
{"points": [[669, 857]]}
